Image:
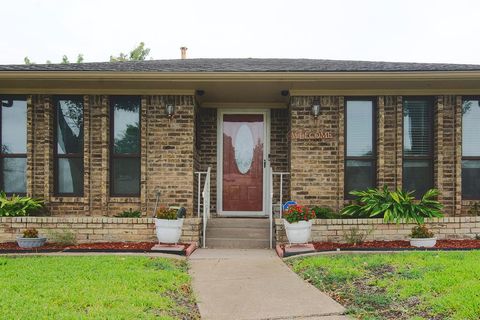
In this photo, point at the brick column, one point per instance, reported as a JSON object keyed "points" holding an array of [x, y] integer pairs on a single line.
{"points": [[398, 142], [315, 164], [458, 155]]}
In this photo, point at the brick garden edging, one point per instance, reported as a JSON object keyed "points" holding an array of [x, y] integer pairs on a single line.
{"points": [[95, 229], [335, 229]]}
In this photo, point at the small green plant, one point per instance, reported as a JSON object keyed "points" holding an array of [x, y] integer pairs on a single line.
{"points": [[63, 237], [474, 209], [166, 213], [296, 213], [30, 233], [356, 236], [129, 214], [420, 232], [325, 213], [17, 206], [394, 206]]}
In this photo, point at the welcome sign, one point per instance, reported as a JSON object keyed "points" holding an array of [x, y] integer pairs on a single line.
{"points": [[310, 135]]}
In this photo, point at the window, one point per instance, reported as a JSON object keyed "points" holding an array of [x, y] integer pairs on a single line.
{"points": [[417, 145], [360, 169], [470, 149], [13, 139], [125, 146], [68, 148]]}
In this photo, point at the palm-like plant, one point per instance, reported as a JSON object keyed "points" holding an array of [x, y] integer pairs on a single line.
{"points": [[18, 206], [395, 206]]}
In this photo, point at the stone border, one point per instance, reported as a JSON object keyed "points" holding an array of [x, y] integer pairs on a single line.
{"points": [[334, 230], [96, 229]]}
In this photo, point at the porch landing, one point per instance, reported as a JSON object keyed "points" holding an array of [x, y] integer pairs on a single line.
{"points": [[255, 284]]}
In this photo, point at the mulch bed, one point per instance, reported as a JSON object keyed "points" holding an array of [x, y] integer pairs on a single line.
{"points": [[397, 245], [383, 246], [12, 247]]}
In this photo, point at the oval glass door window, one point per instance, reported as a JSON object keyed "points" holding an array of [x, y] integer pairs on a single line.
{"points": [[244, 145]]}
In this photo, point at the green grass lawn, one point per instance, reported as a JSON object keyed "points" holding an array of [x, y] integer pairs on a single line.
{"points": [[414, 285], [95, 287]]}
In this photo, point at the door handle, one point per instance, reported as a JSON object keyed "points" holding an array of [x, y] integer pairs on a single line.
{"points": [[264, 163]]}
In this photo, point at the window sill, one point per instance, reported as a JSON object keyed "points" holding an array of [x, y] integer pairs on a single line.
{"points": [[64, 199], [124, 200]]}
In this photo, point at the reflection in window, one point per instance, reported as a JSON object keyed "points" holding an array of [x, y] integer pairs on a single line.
{"points": [[125, 133], [417, 145], [360, 142], [471, 149], [68, 146], [13, 141]]}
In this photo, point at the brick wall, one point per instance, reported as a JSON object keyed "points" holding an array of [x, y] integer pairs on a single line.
{"points": [[316, 166], [336, 230], [167, 155], [95, 229]]}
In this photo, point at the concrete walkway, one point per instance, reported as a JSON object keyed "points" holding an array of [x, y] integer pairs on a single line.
{"points": [[255, 284]]}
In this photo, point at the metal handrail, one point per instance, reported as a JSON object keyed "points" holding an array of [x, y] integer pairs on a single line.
{"points": [[199, 191], [206, 204], [270, 209], [281, 174]]}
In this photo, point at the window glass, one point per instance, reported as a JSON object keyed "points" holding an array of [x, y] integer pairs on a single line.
{"points": [[126, 176], [360, 157], [14, 175], [125, 163], [417, 128], [417, 176], [471, 128], [70, 175], [69, 146], [471, 149], [126, 124], [14, 126], [417, 146], [359, 128], [69, 126], [13, 138], [359, 175]]}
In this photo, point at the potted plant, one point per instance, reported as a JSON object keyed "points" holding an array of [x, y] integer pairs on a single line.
{"points": [[398, 206], [30, 239], [422, 237], [298, 224], [169, 223]]}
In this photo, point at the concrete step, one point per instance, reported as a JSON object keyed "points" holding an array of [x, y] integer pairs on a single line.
{"points": [[216, 243], [238, 233], [238, 222]]}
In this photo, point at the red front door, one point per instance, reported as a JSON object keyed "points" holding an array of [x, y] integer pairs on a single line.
{"points": [[243, 143]]}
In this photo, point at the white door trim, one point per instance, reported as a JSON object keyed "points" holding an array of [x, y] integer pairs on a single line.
{"points": [[266, 152]]}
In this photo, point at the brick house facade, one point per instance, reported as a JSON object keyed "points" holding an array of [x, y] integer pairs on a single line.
{"points": [[311, 150]]}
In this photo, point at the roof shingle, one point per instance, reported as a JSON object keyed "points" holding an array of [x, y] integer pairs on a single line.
{"points": [[244, 65]]}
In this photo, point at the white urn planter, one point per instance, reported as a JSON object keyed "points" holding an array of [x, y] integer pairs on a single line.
{"points": [[31, 242], [423, 242], [168, 231], [298, 232]]}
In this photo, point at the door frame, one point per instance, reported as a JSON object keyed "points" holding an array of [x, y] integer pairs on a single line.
{"points": [[266, 151]]}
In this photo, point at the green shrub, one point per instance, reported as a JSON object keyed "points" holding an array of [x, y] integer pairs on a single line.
{"points": [[166, 213], [325, 213], [394, 206], [356, 236], [63, 237], [17, 206], [129, 214], [474, 209], [30, 233], [420, 232]]}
